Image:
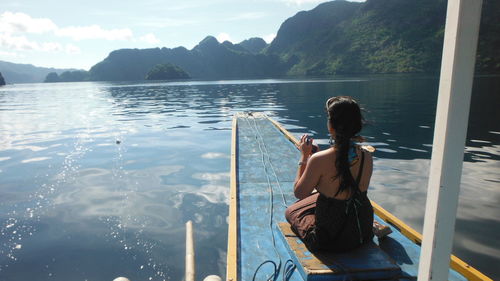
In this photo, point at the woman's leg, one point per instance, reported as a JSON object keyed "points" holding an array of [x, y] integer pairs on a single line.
{"points": [[301, 215]]}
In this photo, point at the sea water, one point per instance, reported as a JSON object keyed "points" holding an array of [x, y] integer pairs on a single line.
{"points": [[97, 179]]}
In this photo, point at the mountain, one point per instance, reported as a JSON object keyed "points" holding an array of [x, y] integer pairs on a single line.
{"points": [[2, 81], [338, 37], [254, 45], [67, 76], [208, 60], [25, 73], [166, 72], [378, 36]]}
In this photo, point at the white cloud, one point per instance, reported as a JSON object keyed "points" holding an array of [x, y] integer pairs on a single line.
{"points": [[9, 54], [50, 47], [11, 23], [94, 32], [21, 43], [223, 37], [246, 16], [72, 49], [269, 38], [10, 42], [150, 38], [20, 22]]}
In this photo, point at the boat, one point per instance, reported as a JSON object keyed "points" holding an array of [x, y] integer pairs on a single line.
{"points": [[261, 245]]}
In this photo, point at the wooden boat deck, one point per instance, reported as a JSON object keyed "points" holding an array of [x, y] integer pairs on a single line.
{"points": [[263, 168]]}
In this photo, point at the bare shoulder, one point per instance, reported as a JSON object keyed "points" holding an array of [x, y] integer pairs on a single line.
{"points": [[322, 156]]}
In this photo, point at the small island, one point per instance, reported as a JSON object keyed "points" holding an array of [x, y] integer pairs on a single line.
{"points": [[166, 71], [2, 81], [67, 76]]}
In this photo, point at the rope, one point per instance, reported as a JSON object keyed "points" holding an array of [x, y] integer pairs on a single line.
{"points": [[256, 129], [288, 269]]}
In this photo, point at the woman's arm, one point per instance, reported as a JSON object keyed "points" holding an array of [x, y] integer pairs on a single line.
{"points": [[307, 173]]}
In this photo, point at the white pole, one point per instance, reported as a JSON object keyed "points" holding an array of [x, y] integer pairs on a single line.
{"points": [[457, 71], [190, 268]]}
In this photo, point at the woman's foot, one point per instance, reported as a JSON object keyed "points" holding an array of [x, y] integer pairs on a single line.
{"points": [[381, 230]]}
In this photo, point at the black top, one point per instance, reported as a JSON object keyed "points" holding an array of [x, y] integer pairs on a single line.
{"points": [[342, 225]]}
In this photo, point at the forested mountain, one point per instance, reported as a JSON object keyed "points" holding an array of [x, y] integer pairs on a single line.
{"points": [[254, 45], [166, 72], [2, 81], [25, 73], [67, 76], [378, 36], [208, 59]]}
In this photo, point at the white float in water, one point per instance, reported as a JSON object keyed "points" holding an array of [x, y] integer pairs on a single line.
{"points": [[121, 279]]}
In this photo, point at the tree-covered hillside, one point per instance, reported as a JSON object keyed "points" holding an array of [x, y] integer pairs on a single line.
{"points": [[209, 59], [67, 76], [378, 36], [166, 72]]}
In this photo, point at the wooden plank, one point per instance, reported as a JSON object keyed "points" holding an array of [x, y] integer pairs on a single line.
{"points": [[232, 239], [368, 262]]}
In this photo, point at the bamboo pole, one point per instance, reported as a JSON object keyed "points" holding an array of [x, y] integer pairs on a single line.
{"points": [[190, 266]]}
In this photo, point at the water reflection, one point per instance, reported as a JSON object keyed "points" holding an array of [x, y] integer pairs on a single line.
{"points": [[98, 179]]}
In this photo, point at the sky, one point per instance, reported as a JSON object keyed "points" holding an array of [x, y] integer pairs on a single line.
{"points": [[78, 34]]}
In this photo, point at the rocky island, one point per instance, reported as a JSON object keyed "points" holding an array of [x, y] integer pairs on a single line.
{"points": [[166, 71], [2, 81]]}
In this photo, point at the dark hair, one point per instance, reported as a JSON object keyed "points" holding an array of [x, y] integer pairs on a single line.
{"points": [[344, 116]]}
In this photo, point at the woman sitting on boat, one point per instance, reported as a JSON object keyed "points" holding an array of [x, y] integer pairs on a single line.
{"points": [[339, 216]]}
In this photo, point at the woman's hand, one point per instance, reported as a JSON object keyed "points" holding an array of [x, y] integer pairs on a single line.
{"points": [[305, 146]]}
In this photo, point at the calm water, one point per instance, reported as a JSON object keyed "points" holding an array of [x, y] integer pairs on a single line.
{"points": [[98, 179]]}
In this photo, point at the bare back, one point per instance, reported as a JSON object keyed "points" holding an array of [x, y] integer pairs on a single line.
{"points": [[328, 183]]}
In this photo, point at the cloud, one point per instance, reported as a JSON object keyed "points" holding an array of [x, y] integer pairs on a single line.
{"points": [[10, 42], [15, 29], [72, 49], [9, 54], [20, 22], [223, 37], [269, 38], [21, 43], [246, 16], [11, 23], [50, 47], [150, 38], [94, 32]]}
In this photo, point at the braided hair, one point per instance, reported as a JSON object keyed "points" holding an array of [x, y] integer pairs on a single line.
{"points": [[344, 116]]}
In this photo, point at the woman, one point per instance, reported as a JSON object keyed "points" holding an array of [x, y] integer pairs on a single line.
{"points": [[339, 215]]}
